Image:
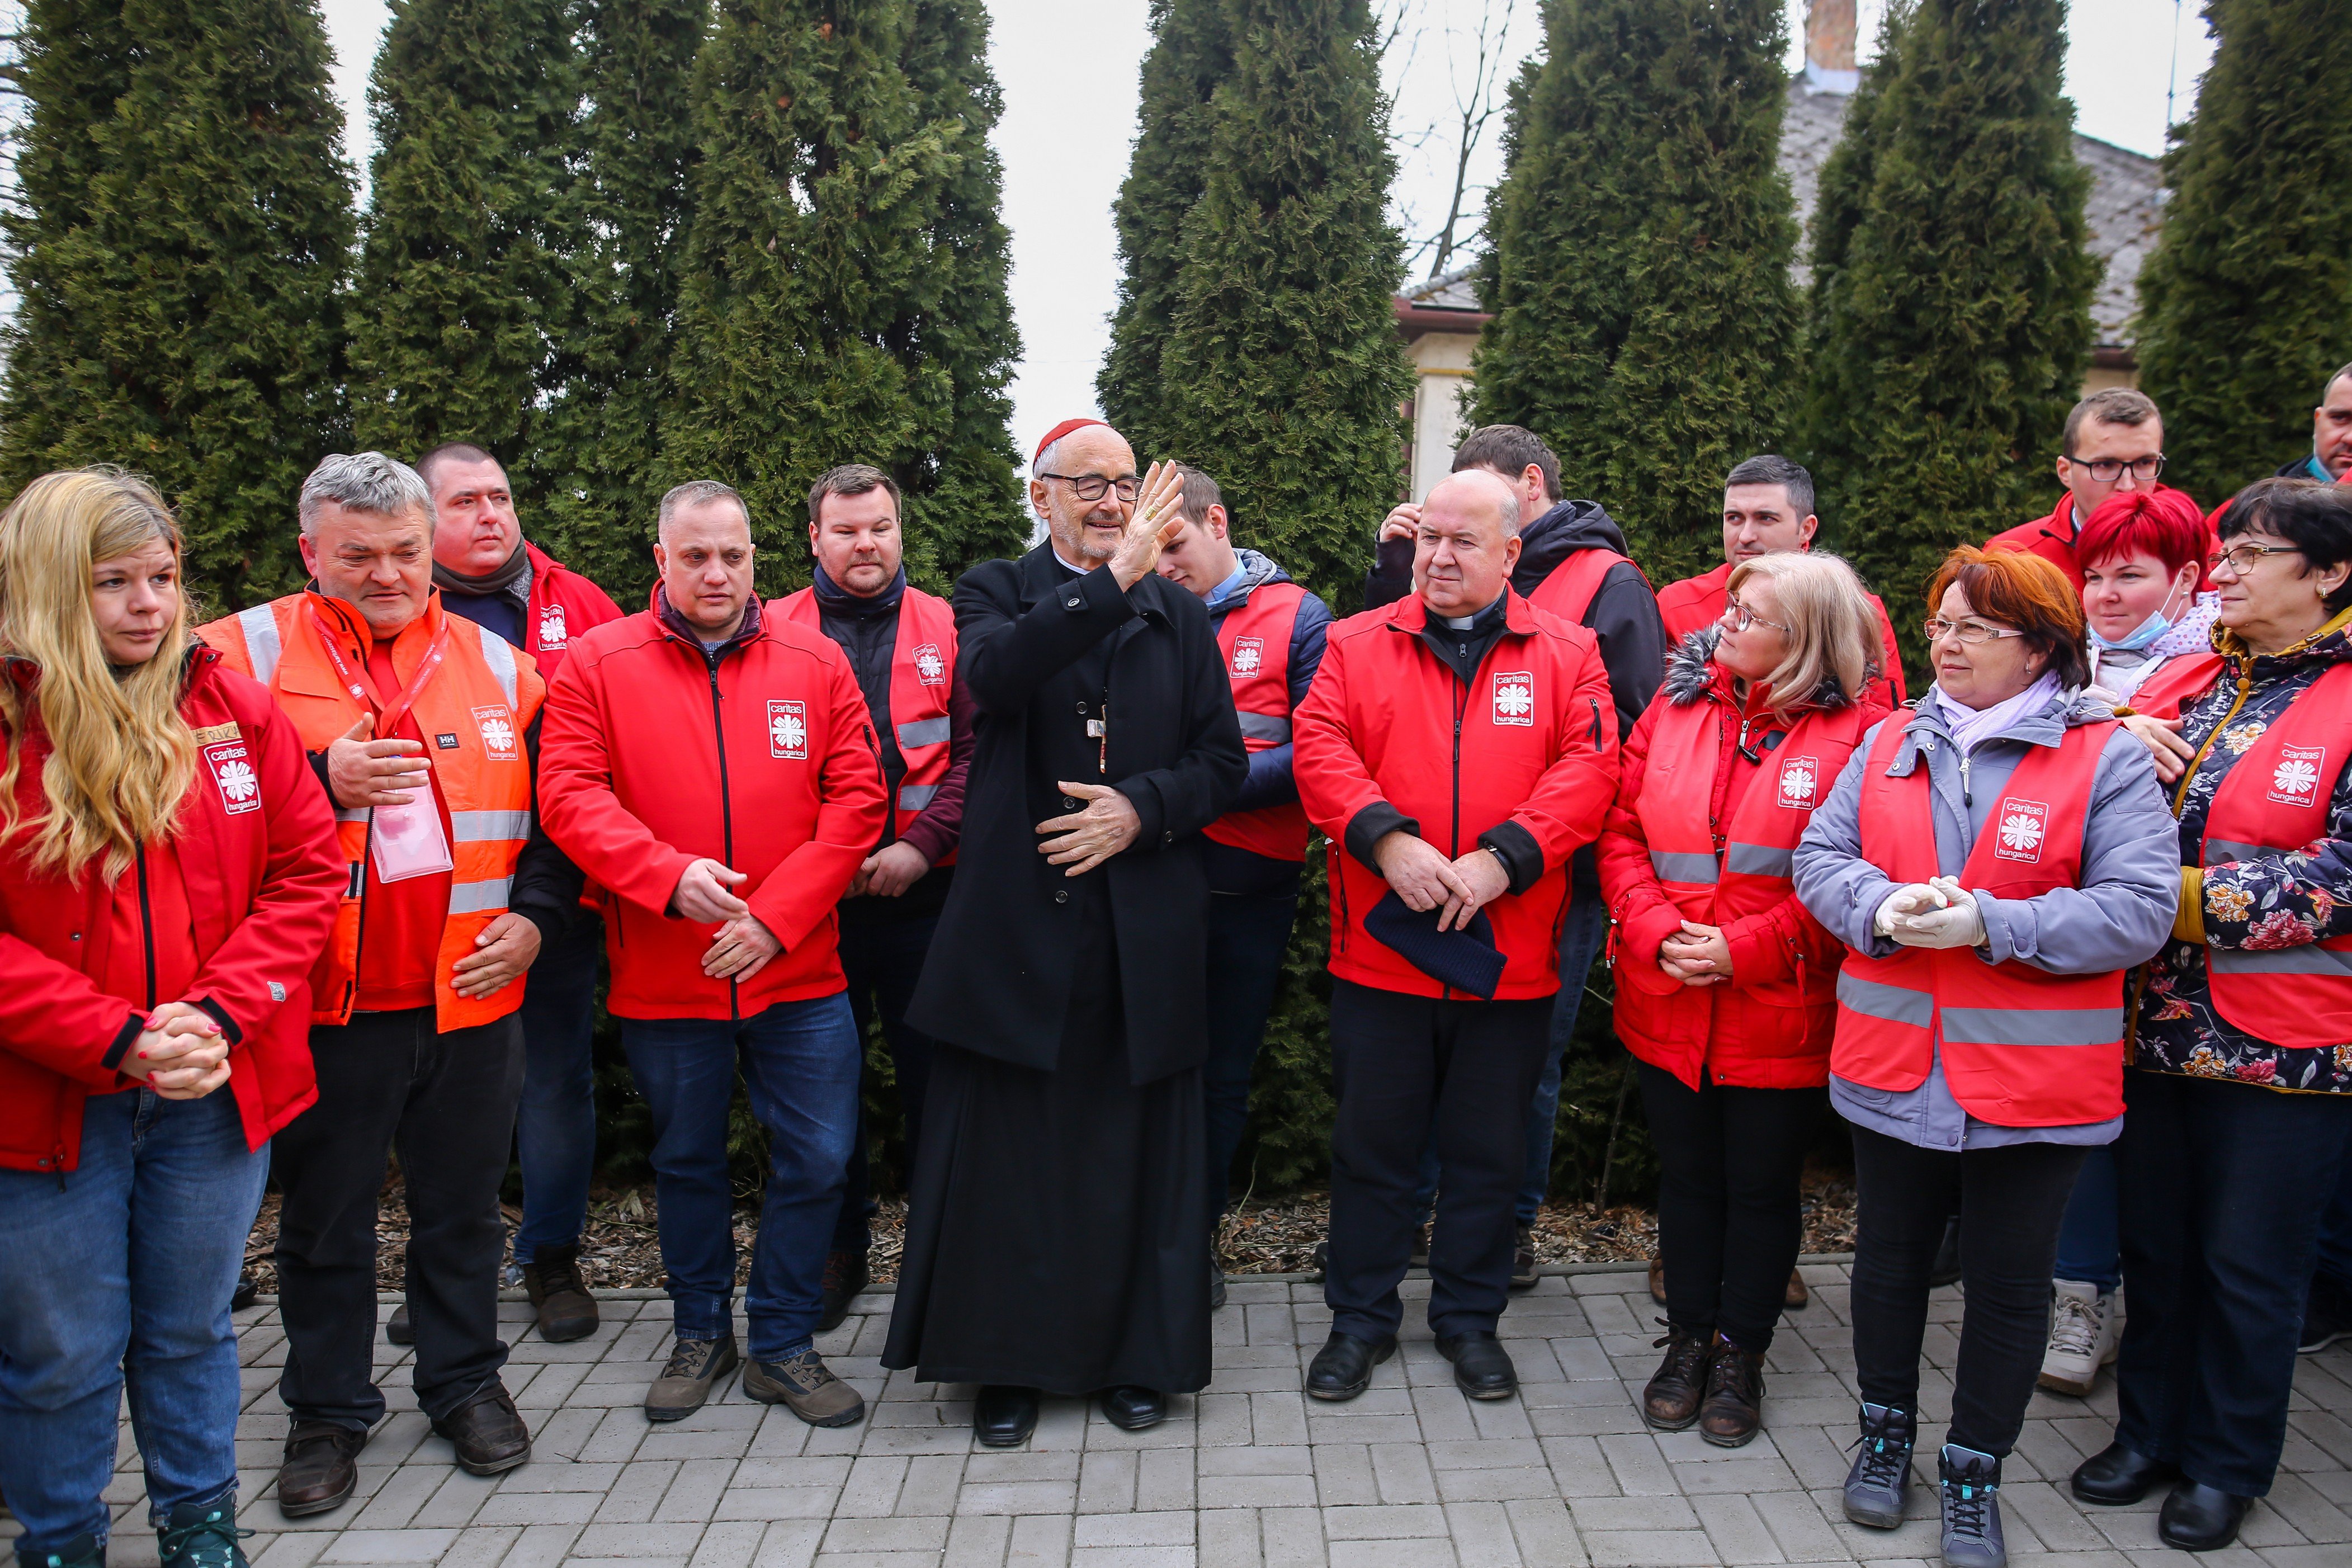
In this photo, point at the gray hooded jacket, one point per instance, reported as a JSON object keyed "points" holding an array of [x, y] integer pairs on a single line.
{"points": [[2118, 916]]}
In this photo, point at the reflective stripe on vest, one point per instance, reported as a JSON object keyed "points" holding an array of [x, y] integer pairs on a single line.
{"points": [[2276, 798], [481, 826], [922, 674], [499, 655], [262, 648], [1671, 867], [2019, 1047], [1255, 639]]}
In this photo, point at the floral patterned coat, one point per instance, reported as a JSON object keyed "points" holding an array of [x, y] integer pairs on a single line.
{"points": [[2274, 901]]}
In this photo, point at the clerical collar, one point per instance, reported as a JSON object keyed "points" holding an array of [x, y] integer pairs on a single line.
{"points": [[1470, 622]]}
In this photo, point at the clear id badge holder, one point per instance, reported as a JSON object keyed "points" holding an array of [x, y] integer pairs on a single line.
{"points": [[407, 840]]}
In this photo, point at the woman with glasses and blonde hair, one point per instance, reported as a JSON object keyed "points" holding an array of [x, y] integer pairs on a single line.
{"points": [[2241, 1092], [168, 877], [1723, 980], [1994, 862]]}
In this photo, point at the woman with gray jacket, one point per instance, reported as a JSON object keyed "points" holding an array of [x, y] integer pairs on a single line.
{"points": [[1994, 861]]}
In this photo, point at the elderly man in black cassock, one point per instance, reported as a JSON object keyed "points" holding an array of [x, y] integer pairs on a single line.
{"points": [[1054, 1241]]}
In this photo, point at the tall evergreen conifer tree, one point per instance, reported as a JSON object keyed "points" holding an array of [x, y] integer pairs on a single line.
{"points": [[1190, 54], [1645, 323], [817, 318], [594, 454], [465, 276], [2246, 306], [184, 224], [1951, 293], [1282, 373]]}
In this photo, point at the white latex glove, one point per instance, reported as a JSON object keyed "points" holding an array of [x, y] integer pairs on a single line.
{"points": [[1895, 911], [1960, 923]]}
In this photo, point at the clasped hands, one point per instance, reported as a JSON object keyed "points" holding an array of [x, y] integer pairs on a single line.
{"points": [[1937, 912], [1696, 955], [180, 1053], [1425, 878], [741, 946]]}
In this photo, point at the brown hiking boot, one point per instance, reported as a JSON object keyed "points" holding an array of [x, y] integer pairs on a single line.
{"points": [[696, 1369], [1733, 1411], [1670, 1402], [560, 1291], [803, 1385]]}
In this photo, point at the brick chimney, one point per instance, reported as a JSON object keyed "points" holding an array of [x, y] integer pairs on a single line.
{"points": [[1829, 46]]}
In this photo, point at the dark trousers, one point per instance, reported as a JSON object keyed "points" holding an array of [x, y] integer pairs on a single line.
{"points": [[388, 1083], [2223, 1188], [2009, 1200], [1729, 1222], [882, 960], [1408, 1069], [555, 1129], [1248, 933]]}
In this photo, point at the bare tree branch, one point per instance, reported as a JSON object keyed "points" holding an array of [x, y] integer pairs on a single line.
{"points": [[1477, 109]]}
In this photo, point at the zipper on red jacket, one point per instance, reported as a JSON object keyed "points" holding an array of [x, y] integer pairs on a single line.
{"points": [[725, 803], [147, 927]]}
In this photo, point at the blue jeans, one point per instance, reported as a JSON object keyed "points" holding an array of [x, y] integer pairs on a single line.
{"points": [[2090, 1247], [800, 1061], [555, 1126], [1583, 927], [1248, 933], [122, 1275]]}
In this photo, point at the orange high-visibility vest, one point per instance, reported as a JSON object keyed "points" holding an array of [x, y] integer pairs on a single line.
{"points": [[922, 674], [1256, 641], [472, 713], [1568, 592], [2021, 1047], [2275, 798]]}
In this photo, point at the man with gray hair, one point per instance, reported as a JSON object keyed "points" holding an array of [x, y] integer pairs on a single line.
{"points": [[424, 730]]}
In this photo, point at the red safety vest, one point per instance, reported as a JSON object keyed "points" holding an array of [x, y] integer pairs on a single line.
{"points": [[1744, 869], [922, 673], [2182, 678], [2275, 798], [1568, 592], [1256, 641], [2021, 1047]]}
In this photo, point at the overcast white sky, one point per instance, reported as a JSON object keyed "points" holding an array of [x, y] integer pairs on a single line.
{"points": [[1069, 71]]}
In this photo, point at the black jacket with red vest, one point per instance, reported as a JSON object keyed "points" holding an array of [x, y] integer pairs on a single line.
{"points": [[1271, 634]]}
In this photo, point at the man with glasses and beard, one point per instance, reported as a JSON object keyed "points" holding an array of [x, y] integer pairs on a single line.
{"points": [[1055, 1242]]}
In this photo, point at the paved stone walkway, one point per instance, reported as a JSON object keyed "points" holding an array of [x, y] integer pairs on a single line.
{"points": [[1248, 1473]]}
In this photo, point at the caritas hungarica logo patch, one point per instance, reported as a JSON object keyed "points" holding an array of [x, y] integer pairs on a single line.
{"points": [[1801, 778], [2296, 780], [2024, 825], [552, 632], [1249, 655], [930, 665], [788, 730], [1515, 698], [231, 767]]}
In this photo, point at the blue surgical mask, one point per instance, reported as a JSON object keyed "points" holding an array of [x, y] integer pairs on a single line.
{"points": [[2146, 632]]}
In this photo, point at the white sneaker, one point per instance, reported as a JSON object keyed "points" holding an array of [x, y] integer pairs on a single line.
{"points": [[2085, 1325]]}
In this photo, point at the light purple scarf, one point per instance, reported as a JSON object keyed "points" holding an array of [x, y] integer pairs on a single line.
{"points": [[1971, 725]]}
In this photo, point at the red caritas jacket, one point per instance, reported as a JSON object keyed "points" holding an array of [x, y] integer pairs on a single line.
{"points": [[1747, 785], [2053, 536], [563, 606], [1531, 740], [257, 849], [653, 755]]}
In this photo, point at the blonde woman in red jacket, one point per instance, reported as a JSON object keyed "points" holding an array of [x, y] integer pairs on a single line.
{"points": [[168, 877], [1725, 986]]}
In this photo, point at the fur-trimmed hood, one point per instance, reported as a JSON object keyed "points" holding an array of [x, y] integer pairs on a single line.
{"points": [[1692, 674]]}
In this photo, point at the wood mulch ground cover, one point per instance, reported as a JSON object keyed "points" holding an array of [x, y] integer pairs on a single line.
{"points": [[622, 1248]]}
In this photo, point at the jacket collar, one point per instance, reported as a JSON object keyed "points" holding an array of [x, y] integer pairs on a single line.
{"points": [[1692, 674], [1518, 615], [1257, 571], [678, 629], [342, 615], [1928, 730], [1043, 574]]}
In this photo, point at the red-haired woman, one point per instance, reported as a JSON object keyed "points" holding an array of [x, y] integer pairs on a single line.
{"points": [[1995, 861]]}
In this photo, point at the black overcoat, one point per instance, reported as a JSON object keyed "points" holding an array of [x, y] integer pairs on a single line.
{"points": [[998, 979]]}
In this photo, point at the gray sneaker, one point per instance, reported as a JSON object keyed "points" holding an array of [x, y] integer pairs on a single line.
{"points": [[804, 1384], [1970, 1483], [696, 1369], [1882, 1469]]}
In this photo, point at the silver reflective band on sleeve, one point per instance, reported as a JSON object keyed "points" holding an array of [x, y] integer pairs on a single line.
{"points": [[1264, 727], [1892, 1002], [479, 898], [914, 797], [2308, 960], [2034, 1025], [498, 653], [1683, 868], [2220, 852], [924, 732], [489, 827], [1758, 860], [261, 644], [351, 814]]}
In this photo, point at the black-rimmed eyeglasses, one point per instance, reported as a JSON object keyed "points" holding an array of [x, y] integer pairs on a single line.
{"points": [[1093, 486]]}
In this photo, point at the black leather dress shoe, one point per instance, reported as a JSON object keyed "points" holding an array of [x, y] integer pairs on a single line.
{"points": [[1482, 1367], [320, 1468], [2198, 1518], [487, 1432], [2117, 1477], [1343, 1367], [1132, 1409], [1002, 1417]]}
